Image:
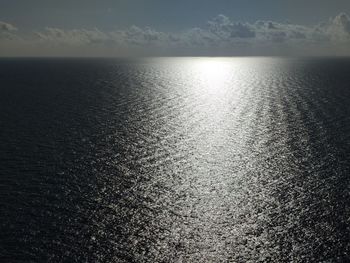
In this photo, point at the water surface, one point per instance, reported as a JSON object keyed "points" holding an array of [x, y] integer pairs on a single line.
{"points": [[175, 160]]}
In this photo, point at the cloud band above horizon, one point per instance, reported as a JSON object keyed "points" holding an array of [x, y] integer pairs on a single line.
{"points": [[220, 37]]}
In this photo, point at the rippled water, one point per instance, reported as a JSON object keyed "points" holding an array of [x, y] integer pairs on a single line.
{"points": [[175, 160]]}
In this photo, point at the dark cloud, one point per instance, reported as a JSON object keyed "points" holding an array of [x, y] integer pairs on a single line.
{"points": [[223, 27], [72, 37], [5, 27], [297, 35], [8, 32]]}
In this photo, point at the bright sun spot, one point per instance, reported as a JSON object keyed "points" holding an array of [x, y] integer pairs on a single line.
{"points": [[213, 74]]}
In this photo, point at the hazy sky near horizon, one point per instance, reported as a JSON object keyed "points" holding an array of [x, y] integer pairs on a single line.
{"points": [[168, 27]]}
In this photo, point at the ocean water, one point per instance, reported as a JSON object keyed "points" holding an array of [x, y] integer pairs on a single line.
{"points": [[175, 160]]}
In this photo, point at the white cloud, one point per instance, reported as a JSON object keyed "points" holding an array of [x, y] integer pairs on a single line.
{"points": [[342, 23], [336, 29]]}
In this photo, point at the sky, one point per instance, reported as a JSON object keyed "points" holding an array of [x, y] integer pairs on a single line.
{"points": [[174, 28]]}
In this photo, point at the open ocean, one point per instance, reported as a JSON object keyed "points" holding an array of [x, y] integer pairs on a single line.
{"points": [[175, 160]]}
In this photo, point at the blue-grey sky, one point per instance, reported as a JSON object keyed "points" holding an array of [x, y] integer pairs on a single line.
{"points": [[162, 14], [103, 27]]}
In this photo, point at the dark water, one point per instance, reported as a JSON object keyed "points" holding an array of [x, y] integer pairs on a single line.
{"points": [[175, 160]]}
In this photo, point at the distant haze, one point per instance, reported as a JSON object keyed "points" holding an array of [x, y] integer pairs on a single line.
{"points": [[174, 28]]}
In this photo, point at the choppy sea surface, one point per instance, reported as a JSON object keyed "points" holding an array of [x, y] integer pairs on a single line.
{"points": [[175, 160]]}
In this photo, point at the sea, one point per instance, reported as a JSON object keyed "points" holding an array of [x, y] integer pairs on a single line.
{"points": [[203, 159]]}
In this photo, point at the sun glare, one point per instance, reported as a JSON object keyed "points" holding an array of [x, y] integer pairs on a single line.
{"points": [[213, 74]]}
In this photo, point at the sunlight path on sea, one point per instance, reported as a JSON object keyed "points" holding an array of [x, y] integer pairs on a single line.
{"points": [[217, 213], [201, 142]]}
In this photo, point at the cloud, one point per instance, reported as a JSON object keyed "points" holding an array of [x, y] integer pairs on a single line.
{"points": [[342, 23], [5, 27], [7, 32], [337, 29], [132, 36], [72, 37], [226, 29], [221, 35]]}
